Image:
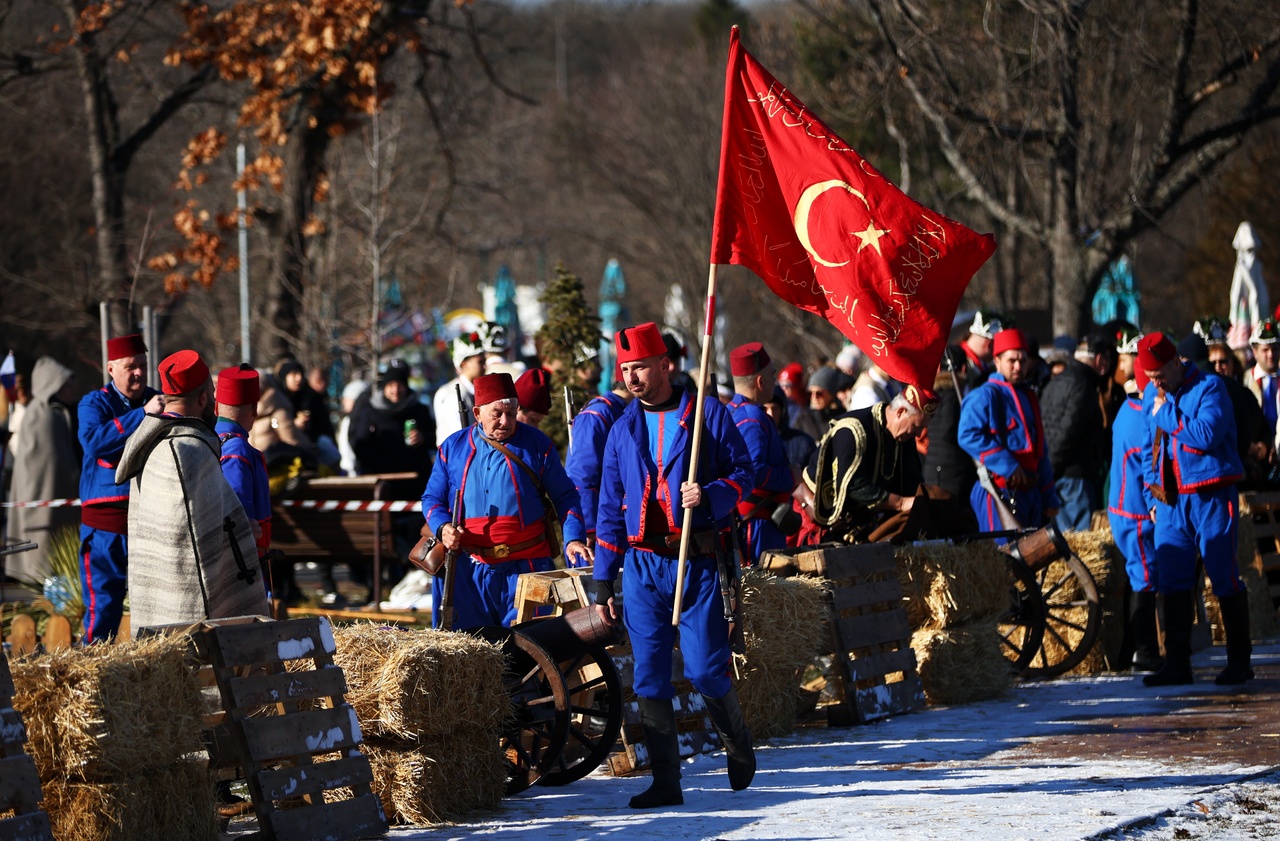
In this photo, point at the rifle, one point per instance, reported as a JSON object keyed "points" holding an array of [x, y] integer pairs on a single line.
{"points": [[1008, 519], [462, 407], [728, 563], [450, 570], [568, 413]]}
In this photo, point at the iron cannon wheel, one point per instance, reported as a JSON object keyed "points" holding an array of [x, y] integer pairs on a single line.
{"points": [[595, 717]]}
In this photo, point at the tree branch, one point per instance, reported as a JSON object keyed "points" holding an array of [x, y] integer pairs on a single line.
{"points": [[474, 36], [123, 154]]}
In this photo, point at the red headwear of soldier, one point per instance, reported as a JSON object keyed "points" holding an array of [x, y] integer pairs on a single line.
{"points": [[747, 360], [1010, 338], [533, 390], [182, 373], [1154, 351], [492, 387], [238, 386], [124, 347], [639, 342]]}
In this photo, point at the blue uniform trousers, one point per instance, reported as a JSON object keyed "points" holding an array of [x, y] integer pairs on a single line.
{"points": [[1136, 541], [485, 594], [1027, 508], [104, 578], [1202, 523], [648, 594], [760, 535]]}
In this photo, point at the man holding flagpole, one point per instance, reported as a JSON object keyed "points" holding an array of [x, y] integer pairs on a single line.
{"points": [[641, 507]]}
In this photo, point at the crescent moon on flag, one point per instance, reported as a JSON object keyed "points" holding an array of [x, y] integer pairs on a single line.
{"points": [[801, 218]]}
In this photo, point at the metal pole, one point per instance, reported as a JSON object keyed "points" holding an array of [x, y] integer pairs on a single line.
{"points": [[242, 206], [104, 320], [149, 339], [154, 357]]}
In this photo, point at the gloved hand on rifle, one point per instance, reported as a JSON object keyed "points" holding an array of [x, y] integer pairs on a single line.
{"points": [[604, 603]]}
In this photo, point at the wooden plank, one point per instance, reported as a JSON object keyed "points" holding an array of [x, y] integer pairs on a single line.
{"points": [[873, 666], [862, 562], [13, 733], [33, 826], [6, 681], [1262, 499], [286, 686], [279, 783], [360, 817], [300, 733], [1270, 562], [19, 785], [57, 633], [888, 592], [271, 642], [888, 699], [873, 629]]}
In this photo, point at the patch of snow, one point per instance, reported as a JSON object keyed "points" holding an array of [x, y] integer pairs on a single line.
{"points": [[294, 649]]}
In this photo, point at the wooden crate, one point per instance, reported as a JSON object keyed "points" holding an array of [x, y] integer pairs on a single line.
{"points": [[20, 790], [873, 663], [277, 725], [697, 734], [1266, 529], [561, 589]]}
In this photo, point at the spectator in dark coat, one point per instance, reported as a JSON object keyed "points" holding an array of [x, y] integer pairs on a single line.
{"points": [[945, 464], [1073, 430], [799, 446], [391, 432]]}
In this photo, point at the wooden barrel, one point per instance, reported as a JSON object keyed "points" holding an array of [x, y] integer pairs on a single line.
{"points": [[576, 632], [1041, 547]]}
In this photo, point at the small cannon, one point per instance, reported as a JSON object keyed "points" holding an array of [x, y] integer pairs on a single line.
{"points": [[566, 694]]}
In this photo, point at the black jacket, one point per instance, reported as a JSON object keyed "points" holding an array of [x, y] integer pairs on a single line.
{"points": [[946, 465], [1073, 425], [377, 434]]}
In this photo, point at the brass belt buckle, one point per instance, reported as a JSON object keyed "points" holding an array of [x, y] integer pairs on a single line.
{"points": [[501, 550]]}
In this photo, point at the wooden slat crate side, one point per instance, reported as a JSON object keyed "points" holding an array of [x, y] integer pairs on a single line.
{"points": [[6, 682], [279, 783], [360, 817], [1271, 562], [873, 629], [887, 592], [271, 642], [287, 686], [301, 733], [13, 732], [862, 563], [19, 785], [880, 666], [1262, 499], [889, 699], [33, 826]]}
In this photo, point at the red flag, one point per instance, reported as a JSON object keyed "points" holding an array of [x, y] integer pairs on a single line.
{"points": [[828, 233]]}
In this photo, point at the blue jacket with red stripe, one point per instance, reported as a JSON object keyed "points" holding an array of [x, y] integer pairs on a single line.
{"points": [[106, 420], [1130, 454], [631, 479], [1199, 433], [773, 478], [500, 504], [246, 471], [586, 453], [1000, 426]]}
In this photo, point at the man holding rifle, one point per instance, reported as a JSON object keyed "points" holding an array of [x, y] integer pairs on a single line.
{"points": [[642, 492], [513, 488], [1000, 427]]}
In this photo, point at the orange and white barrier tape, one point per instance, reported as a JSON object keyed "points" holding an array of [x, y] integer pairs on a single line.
{"points": [[309, 504]]}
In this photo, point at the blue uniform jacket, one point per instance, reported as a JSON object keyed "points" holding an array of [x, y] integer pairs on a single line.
{"points": [[1200, 433], [586, 454], [1130, 454], [773, 478], [1000, 427], [106, 420], [504, 508], [245, 469], [630, 477]]}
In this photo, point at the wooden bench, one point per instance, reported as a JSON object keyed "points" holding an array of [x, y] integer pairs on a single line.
{"points": [[1265, 508], [309, 534]]}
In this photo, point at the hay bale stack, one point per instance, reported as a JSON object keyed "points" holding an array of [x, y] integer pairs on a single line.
{"points": [[177, 802], [962, 664], [785, 627], [1263, 621], [947, 585], [433, 707]]}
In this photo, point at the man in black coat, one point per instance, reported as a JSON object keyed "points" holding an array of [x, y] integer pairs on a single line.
{"points": [[391, 431], [1074, 432], [946, 464]]}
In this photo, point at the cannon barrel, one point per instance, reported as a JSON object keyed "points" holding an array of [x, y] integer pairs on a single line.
{"points": [[1041, 547], [577, 632]]}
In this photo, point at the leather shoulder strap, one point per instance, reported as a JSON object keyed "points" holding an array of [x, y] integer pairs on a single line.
{"points": [[506, 451]]}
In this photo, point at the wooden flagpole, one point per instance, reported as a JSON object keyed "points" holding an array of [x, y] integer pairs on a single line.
{"points": [[695, 446]]}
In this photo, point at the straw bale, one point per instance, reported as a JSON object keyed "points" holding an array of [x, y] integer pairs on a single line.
{"points": [[961, 665], [110, 711], [172, 802], [785, 628], [439, 682], [948, 585], [361, 651]]}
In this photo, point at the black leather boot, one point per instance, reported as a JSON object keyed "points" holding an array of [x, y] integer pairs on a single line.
{"points": [[1143, 632], [1178, 614], [659, 722], [1235, 624], [726, 715]]}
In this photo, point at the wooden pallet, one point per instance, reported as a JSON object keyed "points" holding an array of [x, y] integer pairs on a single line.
{"points": [[697, 734], [874, 665], [20, 790], [1266, 528], [283, 727], [561, 589]]}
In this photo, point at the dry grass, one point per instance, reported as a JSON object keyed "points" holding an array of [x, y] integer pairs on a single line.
{"points": [[1263, 622], [168, 803], [362, 649], [110, 712], [785, 627], [440, 682], [949, 585], [961, 665], [437, 780]]}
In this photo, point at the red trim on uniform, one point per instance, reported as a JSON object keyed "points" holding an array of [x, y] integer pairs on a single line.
{"points": [[119, 425], [102, 462], [235, 456], [606, 544], [105, 518]]}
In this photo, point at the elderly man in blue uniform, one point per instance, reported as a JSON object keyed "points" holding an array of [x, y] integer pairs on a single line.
{"points": [[242, 464], [752, 384], [1000, 427], [1192, 474], [586, 451], [643, 490], [1129, 506], [106, 418], [508, 473]]}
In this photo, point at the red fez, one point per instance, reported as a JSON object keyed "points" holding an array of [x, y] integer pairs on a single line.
{"points": [[182, 372], [639, 342], [1140, 378], [534, 390], [124, 347], [1010, 338], [493, 387], [1154, 350], [922, 398], [748, 359], [238, 386]]}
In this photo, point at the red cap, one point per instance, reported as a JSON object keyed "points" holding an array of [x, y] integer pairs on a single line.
{"points": [[1154, 350], [922, 398], [123, 347], [493, 387], [182, 372], [1010, 338], [238, 386], [639, 342], [534, 390], [1140, 378], [748, 359]]}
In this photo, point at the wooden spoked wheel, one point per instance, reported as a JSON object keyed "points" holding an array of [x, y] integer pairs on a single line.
{"points": [[595, 717], [1073, 617], [1021, 629]]}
